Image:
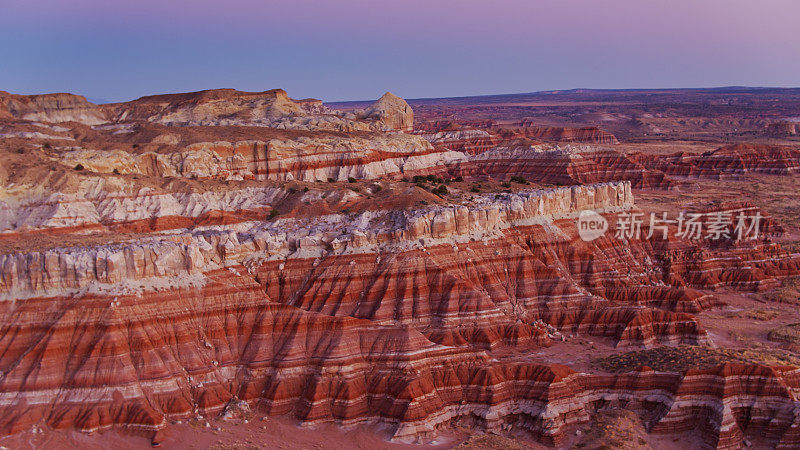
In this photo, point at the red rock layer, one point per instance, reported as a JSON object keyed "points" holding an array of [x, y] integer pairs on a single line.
{"points": [[59, 107], [469, 142], [397, 337], [591, 135], [743, 158], [564, 167], [175, 354], [436, 126], [729, 160], [478, 292]]}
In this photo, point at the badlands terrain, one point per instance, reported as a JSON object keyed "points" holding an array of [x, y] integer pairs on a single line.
{"points": [[235, 270]]}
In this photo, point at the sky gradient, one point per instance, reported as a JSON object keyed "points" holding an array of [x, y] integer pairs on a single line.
{"points": [[356, 49]]}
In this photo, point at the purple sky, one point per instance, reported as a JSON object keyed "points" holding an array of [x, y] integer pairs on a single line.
{"points": [[357, 49]]}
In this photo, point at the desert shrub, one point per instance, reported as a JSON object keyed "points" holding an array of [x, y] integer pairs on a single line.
{"points": [[787, 333], [116, 172], [475, 189], [459, 179], [331, 180], [79, 167], [273, 214], [351, 180]]}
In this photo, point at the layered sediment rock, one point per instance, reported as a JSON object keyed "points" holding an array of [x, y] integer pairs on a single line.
{"points": [[303, 158], [385, 316], [562, 165], [469, 141], [731, 160], [221, 107], [143, 372], [390, 110], [162, 267], [592, 135], [50, 108], [300, 238]]}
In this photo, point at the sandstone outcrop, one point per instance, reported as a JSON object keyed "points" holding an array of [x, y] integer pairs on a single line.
{"points": [[561, 165], [390, 110], [50, 108], [592, 135], [303, 158], [730, 160], [225, 107]]}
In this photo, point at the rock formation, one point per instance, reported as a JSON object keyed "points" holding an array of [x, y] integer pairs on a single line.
{"points": [[206, 253], [592, 135], [783, 129], [50, 108], [392, 111]]}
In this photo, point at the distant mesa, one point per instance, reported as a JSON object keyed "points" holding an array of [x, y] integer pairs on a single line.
{"points": [[214, 107], [59, 107]]}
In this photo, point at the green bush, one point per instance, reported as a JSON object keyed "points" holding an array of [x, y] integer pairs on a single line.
{"points": [[79, 167], [351, 180]]}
